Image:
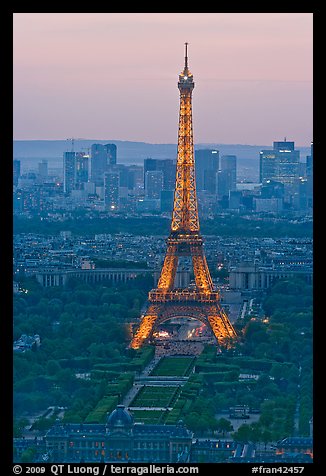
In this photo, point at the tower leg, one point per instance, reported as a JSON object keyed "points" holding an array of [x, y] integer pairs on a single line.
{"points": [[145, 329], [202, 275], [220, 325], [169, 269]]}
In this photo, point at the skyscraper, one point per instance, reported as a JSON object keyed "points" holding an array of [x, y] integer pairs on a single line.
{"points": [[69, 171], [207, 165], [111, 190], [153, 183], [135, 177], [149, 164], [16, 171], [111, 151], [281, 164], [98, 163], [227, 176], [310, 172], [102, 157], [81, 170], [166, 166], [43, 169], [309, 162]]}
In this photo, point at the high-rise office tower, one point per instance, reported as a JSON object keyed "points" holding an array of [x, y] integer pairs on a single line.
{"points": [[149, 164], [227, 176], [235, 199], [135, 177], [111, 151], [280, 164], [166, 166], [69, 171], [229, 162], [167, 200], [123, 174], [16, 171], [153, 183], [309, 173], [81, 170], [207, 165], [43, 169], [309, 162], [99, 163], [111, 190], [271, 189], [102, 157]]}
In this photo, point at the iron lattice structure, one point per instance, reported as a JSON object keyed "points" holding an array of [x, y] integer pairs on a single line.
{"points": [[165, 301]]}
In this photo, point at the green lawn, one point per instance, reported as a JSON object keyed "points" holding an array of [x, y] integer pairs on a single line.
{"points": [[152, 417], [156, 397], [174, 366]]}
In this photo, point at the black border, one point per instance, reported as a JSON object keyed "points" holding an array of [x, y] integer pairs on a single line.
{"points": [[6, 234]]}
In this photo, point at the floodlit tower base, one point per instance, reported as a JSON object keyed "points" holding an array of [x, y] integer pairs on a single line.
{"points": [[210, 314]]}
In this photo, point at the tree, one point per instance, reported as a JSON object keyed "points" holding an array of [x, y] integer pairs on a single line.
{"points": [[53, 367], [256, 431], [243, 433], [43, 424], [198, 423], [18, 427], [28, 455], [224, 425], [266, 437]]}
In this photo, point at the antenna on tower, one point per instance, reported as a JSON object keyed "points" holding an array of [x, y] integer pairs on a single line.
{"points": [[73, 139], [186, 55]]}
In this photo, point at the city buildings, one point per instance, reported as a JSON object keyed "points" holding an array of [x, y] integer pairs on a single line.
{"points": [[227, 175], [81, 170], [111, 190], [43, 170], [69, 171], [166, 166], [16, 171], [154, 183], [119, 440], [102, 156], [26, 342], [281, 164], [252, 276], [206, 166], [286, 186], [309, 175]]}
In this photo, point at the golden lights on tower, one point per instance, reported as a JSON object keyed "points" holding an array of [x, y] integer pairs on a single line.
{"points": [[185, 240]]}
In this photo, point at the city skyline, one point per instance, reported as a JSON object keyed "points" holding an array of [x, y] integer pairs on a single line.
{"points": [[108, 75]]}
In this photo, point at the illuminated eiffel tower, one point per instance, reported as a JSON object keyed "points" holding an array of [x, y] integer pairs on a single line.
{"points": [[166, 301]]}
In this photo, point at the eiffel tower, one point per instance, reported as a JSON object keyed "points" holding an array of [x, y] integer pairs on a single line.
{"points": [[203, 302]]}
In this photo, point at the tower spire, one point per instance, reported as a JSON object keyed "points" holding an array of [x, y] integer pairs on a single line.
{"points": [[186, 55]]}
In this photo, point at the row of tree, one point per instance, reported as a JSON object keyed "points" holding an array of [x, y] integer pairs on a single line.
{"points": [[230, 225]]}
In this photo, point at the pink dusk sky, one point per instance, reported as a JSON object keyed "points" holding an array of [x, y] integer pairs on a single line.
{"points": [[114, 76]]}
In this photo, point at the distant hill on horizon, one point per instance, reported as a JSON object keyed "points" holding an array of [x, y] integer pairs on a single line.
{"points": [[131, 152]]}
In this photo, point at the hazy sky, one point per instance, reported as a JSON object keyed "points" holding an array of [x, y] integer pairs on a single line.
{"points": [[114, 76]]}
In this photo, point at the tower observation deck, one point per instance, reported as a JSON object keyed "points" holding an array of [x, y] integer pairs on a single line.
{"points": [[166, 301]]}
